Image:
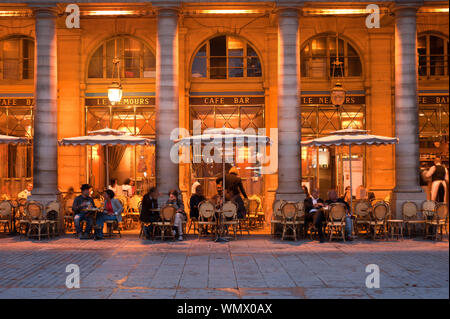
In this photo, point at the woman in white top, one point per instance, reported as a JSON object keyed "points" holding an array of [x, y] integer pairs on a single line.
{"points": [[127, 189], [115, 187]]}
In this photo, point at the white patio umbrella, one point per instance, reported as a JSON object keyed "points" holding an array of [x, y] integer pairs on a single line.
{"points": [[221, 136], [350, 137], [106, 137], [6, 139]]}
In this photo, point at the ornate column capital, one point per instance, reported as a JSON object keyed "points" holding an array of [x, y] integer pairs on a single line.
{"points": [[44, 10], [401, 5]]}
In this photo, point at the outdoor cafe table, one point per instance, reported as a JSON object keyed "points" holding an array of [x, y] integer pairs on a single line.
{"points": [[93, 211]]}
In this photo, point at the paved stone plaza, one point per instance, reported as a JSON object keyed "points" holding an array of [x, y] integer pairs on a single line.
{"points": [[251, 267]]}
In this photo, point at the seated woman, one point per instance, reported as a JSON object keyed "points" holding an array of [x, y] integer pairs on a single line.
{"points": [[180, 216], [112, 211], [332, 198], [127, 188]]}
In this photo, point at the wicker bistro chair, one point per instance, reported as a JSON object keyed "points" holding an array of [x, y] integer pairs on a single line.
{"points": [[275, 222], [206, 216], [229, 216], [6, 212], [336, 220], [35, 215], [410, 220], [52, 213], [69, 224], [289, 220], [167, 215], [380, 213], [132, 213], [252, 213], [362, 214], [438, 222], [301, 217]]}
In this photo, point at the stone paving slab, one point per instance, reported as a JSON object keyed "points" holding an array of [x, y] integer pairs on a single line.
{"points": [[248, 268]]}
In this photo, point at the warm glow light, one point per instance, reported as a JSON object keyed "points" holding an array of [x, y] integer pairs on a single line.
{"points": [[352, 124], [15, 13], [228, 11], [434, 10], [115, 93], [333, 11], [109, 12]]}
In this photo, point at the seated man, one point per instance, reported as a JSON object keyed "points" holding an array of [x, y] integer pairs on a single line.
{"points": [[314, 213], [148, 214], [112, 210], [194, 201], [332, 198], [81, 202], [26, 192]]}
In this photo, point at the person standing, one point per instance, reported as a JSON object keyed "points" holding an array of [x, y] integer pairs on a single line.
{"points": [[80, 203], [149, 213], [112, 210], [233, 184], [439, 178]]}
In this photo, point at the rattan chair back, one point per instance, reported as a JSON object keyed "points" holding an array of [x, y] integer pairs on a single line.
{"points": [[206, 210], [362, 209], [52, 207], [229, 210], [380, 211], [289, 210], [34, 210], [429, 206], [5, 209], [168, 212], [277, 207], [337, 211], [442, 211], [409, 210]]}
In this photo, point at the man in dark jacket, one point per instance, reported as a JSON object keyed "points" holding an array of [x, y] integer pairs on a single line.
{"points": [[80, 203], [233, 184], [314, 213], [149, 214], [195, 200]]}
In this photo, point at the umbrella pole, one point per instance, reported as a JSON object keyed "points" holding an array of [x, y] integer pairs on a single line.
{"points": [[219, 223], [107, 166], [351, 188]]}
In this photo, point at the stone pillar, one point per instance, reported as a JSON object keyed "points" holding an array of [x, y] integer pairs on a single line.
{"points": [[166, 98], [289, 130], [45, 152], [406, 109]]}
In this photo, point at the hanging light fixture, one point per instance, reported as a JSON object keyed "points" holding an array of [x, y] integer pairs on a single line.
{"points": [[115, 89], [337, 93]]}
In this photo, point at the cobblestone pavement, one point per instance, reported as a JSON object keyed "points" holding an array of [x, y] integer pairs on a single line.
{"points": [[250, 267]]}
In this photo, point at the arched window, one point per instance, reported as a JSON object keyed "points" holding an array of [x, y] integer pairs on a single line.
{"points": [[319, 53], [433, 54], [16, 58], [225, 57], [136, 59]]}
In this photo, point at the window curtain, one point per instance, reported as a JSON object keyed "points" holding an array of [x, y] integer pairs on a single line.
{"points": [[115, 154]]}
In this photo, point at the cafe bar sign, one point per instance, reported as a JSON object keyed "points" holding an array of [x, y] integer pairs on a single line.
{"points": [[433, 99], [227, 100], [12, 101], [126, 101]]}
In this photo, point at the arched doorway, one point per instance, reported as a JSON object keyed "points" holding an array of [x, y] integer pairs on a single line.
{"points": [[226, 91], [134, 114], [328, 167]]}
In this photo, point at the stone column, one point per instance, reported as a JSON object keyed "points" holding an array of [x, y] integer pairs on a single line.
{"points": [[289, 130], [166, 98], [45, 152], [406, 109]]}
